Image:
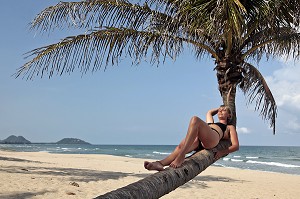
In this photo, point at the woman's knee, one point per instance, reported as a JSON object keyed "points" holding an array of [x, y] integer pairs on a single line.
{"points": [[195, 121]]}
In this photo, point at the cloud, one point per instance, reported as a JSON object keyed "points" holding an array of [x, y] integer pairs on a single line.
{"points": [[294, 123], [242, 130], [285, 86]]}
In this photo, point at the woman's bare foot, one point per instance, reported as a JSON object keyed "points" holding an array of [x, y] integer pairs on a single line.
{"points": [[177, 162], [153, 166]]}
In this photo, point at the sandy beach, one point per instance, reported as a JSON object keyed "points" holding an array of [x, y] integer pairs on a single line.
{"points": [[40, 175]]}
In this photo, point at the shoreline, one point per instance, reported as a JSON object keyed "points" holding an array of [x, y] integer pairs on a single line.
{"points": [[217, 164], [40, 175], [117, 156]]}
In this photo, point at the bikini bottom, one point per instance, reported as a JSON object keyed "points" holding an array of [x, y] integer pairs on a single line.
{"points": [[201, 147]]}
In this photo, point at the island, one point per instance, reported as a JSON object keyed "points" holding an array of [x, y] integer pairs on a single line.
{"points": [[15, 140], [71, 141], [21, 140]]}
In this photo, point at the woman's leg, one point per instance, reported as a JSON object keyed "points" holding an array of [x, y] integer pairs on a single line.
{"points": [[192, 134], [159, 165], [197, 130]]}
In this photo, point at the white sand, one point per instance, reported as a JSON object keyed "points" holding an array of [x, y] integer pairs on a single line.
{"points": [[41, 175]]}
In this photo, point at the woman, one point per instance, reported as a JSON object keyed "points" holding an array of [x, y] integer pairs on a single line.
{"points": [[201, 135]]}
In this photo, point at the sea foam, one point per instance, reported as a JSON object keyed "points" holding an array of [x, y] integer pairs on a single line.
{"points": [[273, 164]]}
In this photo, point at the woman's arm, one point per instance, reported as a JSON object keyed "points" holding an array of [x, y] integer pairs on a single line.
{"points": [[210, 114], [234, 143]]}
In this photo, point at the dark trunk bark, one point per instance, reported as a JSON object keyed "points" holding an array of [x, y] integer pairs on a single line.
{"points": [[229, 75], [163, 182]]}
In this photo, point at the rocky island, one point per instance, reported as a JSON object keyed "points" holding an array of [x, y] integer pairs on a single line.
{"points": [[15, 140], [21, 140], [71, 141]]}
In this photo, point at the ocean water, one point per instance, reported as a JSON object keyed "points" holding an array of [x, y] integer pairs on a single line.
{"points": [[281, 159]]}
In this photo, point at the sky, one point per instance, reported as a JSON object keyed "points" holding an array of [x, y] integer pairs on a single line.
{"points": [[128, 104]]}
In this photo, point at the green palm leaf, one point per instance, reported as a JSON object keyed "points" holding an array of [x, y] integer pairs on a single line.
{"points": [[88, 52], [286, 41], [256, 89], [231, 31], [91, 14]]}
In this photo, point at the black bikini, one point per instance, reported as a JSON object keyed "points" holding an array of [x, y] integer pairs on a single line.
{"points": [[222, 126]]}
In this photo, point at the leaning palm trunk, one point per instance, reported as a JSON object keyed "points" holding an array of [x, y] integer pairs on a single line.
{"points": [[161, 183]]}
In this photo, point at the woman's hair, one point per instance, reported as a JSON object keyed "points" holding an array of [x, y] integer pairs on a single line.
{"points": [[227, 108], [229, 111]]}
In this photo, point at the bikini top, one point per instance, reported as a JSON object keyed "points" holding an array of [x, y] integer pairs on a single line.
{"points": [[221, 125]]}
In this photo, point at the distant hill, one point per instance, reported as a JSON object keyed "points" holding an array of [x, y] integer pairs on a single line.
{"points": [[15, 140], [21, 140], [71, 141]]}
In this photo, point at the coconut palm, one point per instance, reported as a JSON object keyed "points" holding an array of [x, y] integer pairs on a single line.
{"points": [[163, 182], [233, 32]]}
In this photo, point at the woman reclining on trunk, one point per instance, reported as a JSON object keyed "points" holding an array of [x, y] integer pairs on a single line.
{"points": [[201, 135]]}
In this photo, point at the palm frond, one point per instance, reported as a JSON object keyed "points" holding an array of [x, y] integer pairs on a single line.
{"points": [[96, 14], [91, 14], [236, 16], [163, 5], [103, 47], [256, 89], [282, 13], [285, 41]]}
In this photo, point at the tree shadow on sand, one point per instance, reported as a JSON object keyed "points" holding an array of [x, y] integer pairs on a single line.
{"points": [[22, 195], [16, 159], [89, 175], [200, 181], [74, 174]]}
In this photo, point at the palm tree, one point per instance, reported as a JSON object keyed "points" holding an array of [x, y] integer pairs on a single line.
{"points": [[163, 182], [232, 32]]}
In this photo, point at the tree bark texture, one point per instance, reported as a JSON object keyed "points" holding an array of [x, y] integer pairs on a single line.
{"points": [[229, 75], [163, 182]]}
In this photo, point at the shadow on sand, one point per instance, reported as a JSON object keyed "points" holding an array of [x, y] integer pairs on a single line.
{"points": [[89, 175], [16, 159], [22, 195], [201, 181], [82, 175]]}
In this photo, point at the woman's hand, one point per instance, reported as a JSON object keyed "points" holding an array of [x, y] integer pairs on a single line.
{"points": [[214, 111], [210, 114]]}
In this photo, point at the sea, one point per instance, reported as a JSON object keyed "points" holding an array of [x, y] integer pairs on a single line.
{"points": [[279, 159]]}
